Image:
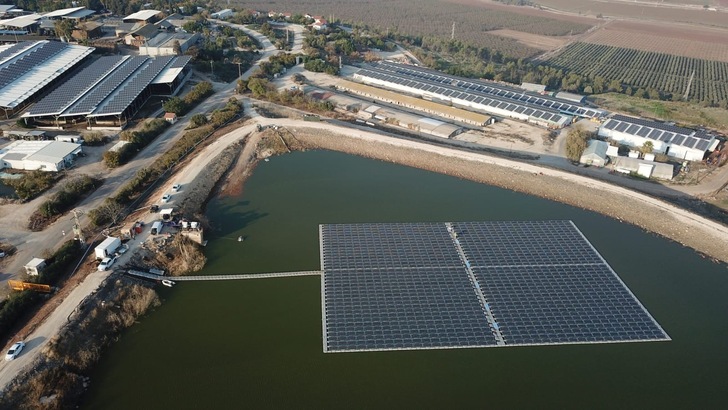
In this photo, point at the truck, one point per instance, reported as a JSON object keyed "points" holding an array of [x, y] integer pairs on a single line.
{"points": [[107, 248]]}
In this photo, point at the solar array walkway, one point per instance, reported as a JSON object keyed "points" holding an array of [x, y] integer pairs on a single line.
{"points": [[471, 284], [152, 276]]}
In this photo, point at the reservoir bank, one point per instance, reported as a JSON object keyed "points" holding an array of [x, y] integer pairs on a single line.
{"points": [[258, 342]]}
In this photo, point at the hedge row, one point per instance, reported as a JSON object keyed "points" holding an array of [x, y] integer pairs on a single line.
{"points": [[137, 140], [62, 201]]}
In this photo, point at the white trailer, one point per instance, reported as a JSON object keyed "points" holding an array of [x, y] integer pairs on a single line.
{"points": [[107, 248]]}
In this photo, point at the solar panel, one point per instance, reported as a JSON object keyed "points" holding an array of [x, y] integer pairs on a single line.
{"points": [[621, 127], [14, 49], [644, 131], [632, 129], [653, 124], [610, 124], [65, 94], [29, 60], [471, 284], [702, 145], [654, 134], [102, 91], [667, 136], [529, 111], [690, 142], [678, 139], [448, 85]]}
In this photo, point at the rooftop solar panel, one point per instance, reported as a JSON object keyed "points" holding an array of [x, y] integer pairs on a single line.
{"points": [[529, 111], [632, 129], [644, 131], [667, 136], [690, 142], [653, 124], [610, 124], [702, 145], [29, 60], [679, 139], [654, 134], [621, 127], [471, 284]]}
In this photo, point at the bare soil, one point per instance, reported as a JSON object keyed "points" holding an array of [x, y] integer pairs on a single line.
{"points": [[679, 39], [534, 40]]}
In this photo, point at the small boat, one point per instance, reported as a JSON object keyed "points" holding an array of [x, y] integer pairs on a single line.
{"points": [[168, 283], [266, 160], [241, 238]]}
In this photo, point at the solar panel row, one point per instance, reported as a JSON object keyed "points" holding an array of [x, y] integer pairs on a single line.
{"points": [[446, 92], [90, 101], [15, 48], [542, 281], [30, 59], [64, 95], [132, 89], [658, 132], [511, 93]]}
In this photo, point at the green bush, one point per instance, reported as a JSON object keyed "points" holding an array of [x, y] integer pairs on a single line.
{"points": [[63, 200], [138, 139], [32, 184], [198, 120], [17, 304], [95, 138]]}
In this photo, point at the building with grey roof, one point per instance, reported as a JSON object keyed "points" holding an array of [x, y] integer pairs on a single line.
{"points": [[677, 142], [49, 156], [595, 153], [29, 67]]}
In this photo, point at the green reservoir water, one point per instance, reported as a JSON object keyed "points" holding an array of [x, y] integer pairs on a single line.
{"points": [[257, 343]]}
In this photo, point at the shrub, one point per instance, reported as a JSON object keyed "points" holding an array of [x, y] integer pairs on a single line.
{"points": [[62, 201], [198, 120], [95, 138], [17, 304], [31, 184]]}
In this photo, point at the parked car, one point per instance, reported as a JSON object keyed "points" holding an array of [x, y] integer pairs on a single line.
{"points": [[122, 249], [106, 263], [14, 350], [176, 187], [154, 209], [166, 198]]}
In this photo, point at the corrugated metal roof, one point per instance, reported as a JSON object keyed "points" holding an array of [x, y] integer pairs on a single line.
{"points": [[63, 12], [24, 87], [142, 15], [413, 101]]}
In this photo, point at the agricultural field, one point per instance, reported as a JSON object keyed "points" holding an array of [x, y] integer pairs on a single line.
{"points": [[534, 40], [434, 18], [688, 41], [648, 70], [641, 10]]}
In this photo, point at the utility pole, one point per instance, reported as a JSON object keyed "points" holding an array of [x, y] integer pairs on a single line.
{"points": [[690, 82], [212, 72], [452, 35], [77, 231]]}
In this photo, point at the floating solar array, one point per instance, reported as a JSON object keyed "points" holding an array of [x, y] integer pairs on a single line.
{"points": [[472, 284], [657, 131], [29, 60]]}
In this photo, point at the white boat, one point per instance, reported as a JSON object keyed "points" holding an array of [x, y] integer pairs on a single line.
{"points": [[168, 283]]}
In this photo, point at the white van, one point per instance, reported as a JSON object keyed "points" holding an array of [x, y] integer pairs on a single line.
{"points": [[157, 227]]}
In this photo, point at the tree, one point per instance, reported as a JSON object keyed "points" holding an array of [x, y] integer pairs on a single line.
{"points": [[576, 143], [64, 28], [647, 148], [175, 105], [176, 48], [198, 120]]}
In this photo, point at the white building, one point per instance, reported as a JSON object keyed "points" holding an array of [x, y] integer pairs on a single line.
{"points": [[222, 14], [35, 266], [162, 44], [677, 142], [595, 153], [39, 155]]}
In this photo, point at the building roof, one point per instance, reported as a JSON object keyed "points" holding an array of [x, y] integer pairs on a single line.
{"points": [[169, 115], [35, 262], [415, 102], [22, 21], [25, 73], [168, 39], [106, 87], [658, 131], [596, 147], [44, 151], [147, 31], [72, 12], [89, 25], [4, 8], [142, 15]]}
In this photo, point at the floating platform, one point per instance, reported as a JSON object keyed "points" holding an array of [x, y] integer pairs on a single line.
{"points": [[403, 286]]}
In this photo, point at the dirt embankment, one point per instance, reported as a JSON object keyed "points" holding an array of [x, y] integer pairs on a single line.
{"points": [[621, 207], [59, 377]]}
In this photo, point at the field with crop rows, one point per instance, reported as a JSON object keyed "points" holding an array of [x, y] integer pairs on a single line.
{"points": [[643, 69], [688, 41], [434, 18]]}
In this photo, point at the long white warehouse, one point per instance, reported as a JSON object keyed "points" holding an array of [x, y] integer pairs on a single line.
{"points": [[677, 142], [39, 155]]}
